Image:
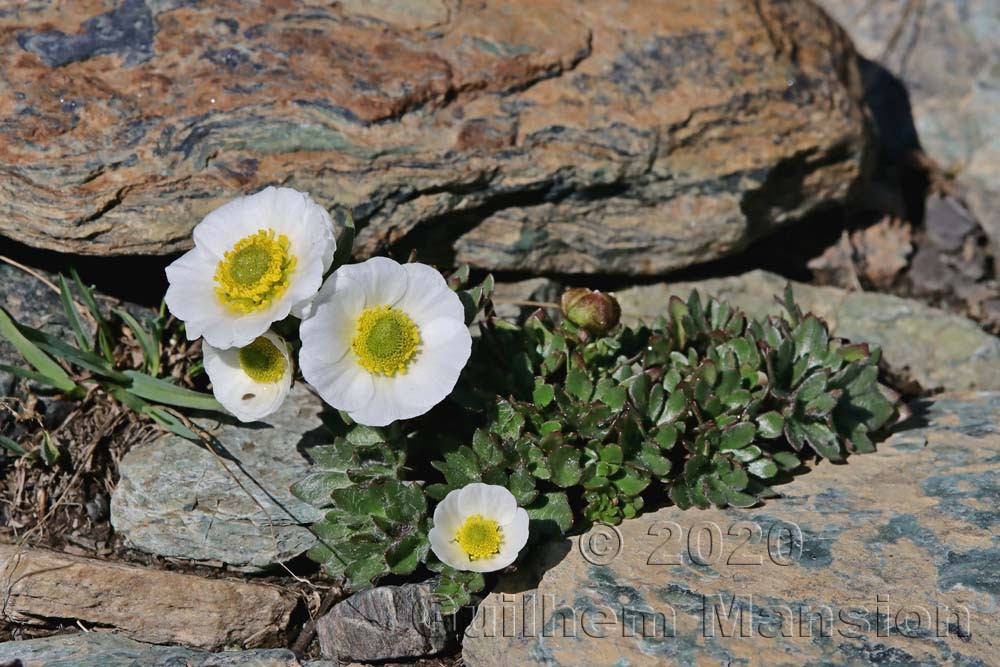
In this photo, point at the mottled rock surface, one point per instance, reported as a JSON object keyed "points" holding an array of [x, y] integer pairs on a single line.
{"points": [[41, 587], [176, 498], [889, 560], [607, 136], [947, 54], [384, 623], [103, 649], [935, 349]]}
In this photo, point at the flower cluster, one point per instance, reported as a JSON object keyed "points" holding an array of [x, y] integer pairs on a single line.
{"points": [[380, 341], [552, 424]]}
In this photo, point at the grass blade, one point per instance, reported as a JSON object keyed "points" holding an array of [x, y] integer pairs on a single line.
{"points": [[27, 375], [7, 443], [163, 417], [43, 363], [158, 414], [88, 360], [103, 330], [160, 391], [150, 346], [73, 315]]}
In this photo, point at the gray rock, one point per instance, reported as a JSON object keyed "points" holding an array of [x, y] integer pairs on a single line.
{"points": [[929, 346], [177, 499], [890, 559], [947, 54], [948, 224], [509, 298], [103, 649], [384, 623]]}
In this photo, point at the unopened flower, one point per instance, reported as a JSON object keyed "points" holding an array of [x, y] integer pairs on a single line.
{"points": [[250, 381], [597, 312], [255, 260], [479, 528], [384, 341]]}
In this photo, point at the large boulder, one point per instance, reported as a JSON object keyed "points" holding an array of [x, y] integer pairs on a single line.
{"points": [[890, 559], [607, 136], [232, 506], [947, 54], [925, 347]]}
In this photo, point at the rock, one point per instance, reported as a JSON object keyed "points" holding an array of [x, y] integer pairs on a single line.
{"points": [[878, 253], [384, 623], [948, 56], [103, 649], [47, 588], [559, 136], [176, 499], [935, 349], [511, 300], [890, 559], [948, 224]]}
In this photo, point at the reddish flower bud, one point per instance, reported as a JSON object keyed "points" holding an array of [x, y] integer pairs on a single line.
{"points": [[594, 311]]}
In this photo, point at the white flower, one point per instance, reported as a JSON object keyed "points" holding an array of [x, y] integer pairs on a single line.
{"points": [[384, 341], [250, 381], [479, 528], [255, 260]]}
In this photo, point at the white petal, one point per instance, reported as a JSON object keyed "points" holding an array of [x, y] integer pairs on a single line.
{"points": [[309, 229], [492, 501], [328, 330], [515, 533], [237, 330], [191, 293], [428, 296], [448, 515], [342, 383], [498, 562], [307, 225], [384, 406], [447, 550], [223, 227], [383, 280]]}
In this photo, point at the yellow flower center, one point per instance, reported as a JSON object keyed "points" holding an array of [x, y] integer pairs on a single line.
{"points": [[263, 361], [254, 272], [385, 340], [479, 537]]}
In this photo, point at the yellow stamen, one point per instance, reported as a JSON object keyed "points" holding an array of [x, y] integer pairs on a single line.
{"points": [[479, 537], [263, 361], [255, 272], [385, 340]]}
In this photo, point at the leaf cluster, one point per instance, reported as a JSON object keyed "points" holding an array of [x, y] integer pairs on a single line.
{"points": [[71, 368], [704, 405]]}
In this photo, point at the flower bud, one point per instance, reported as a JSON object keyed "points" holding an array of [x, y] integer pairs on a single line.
{"points": [[594, 311]]}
